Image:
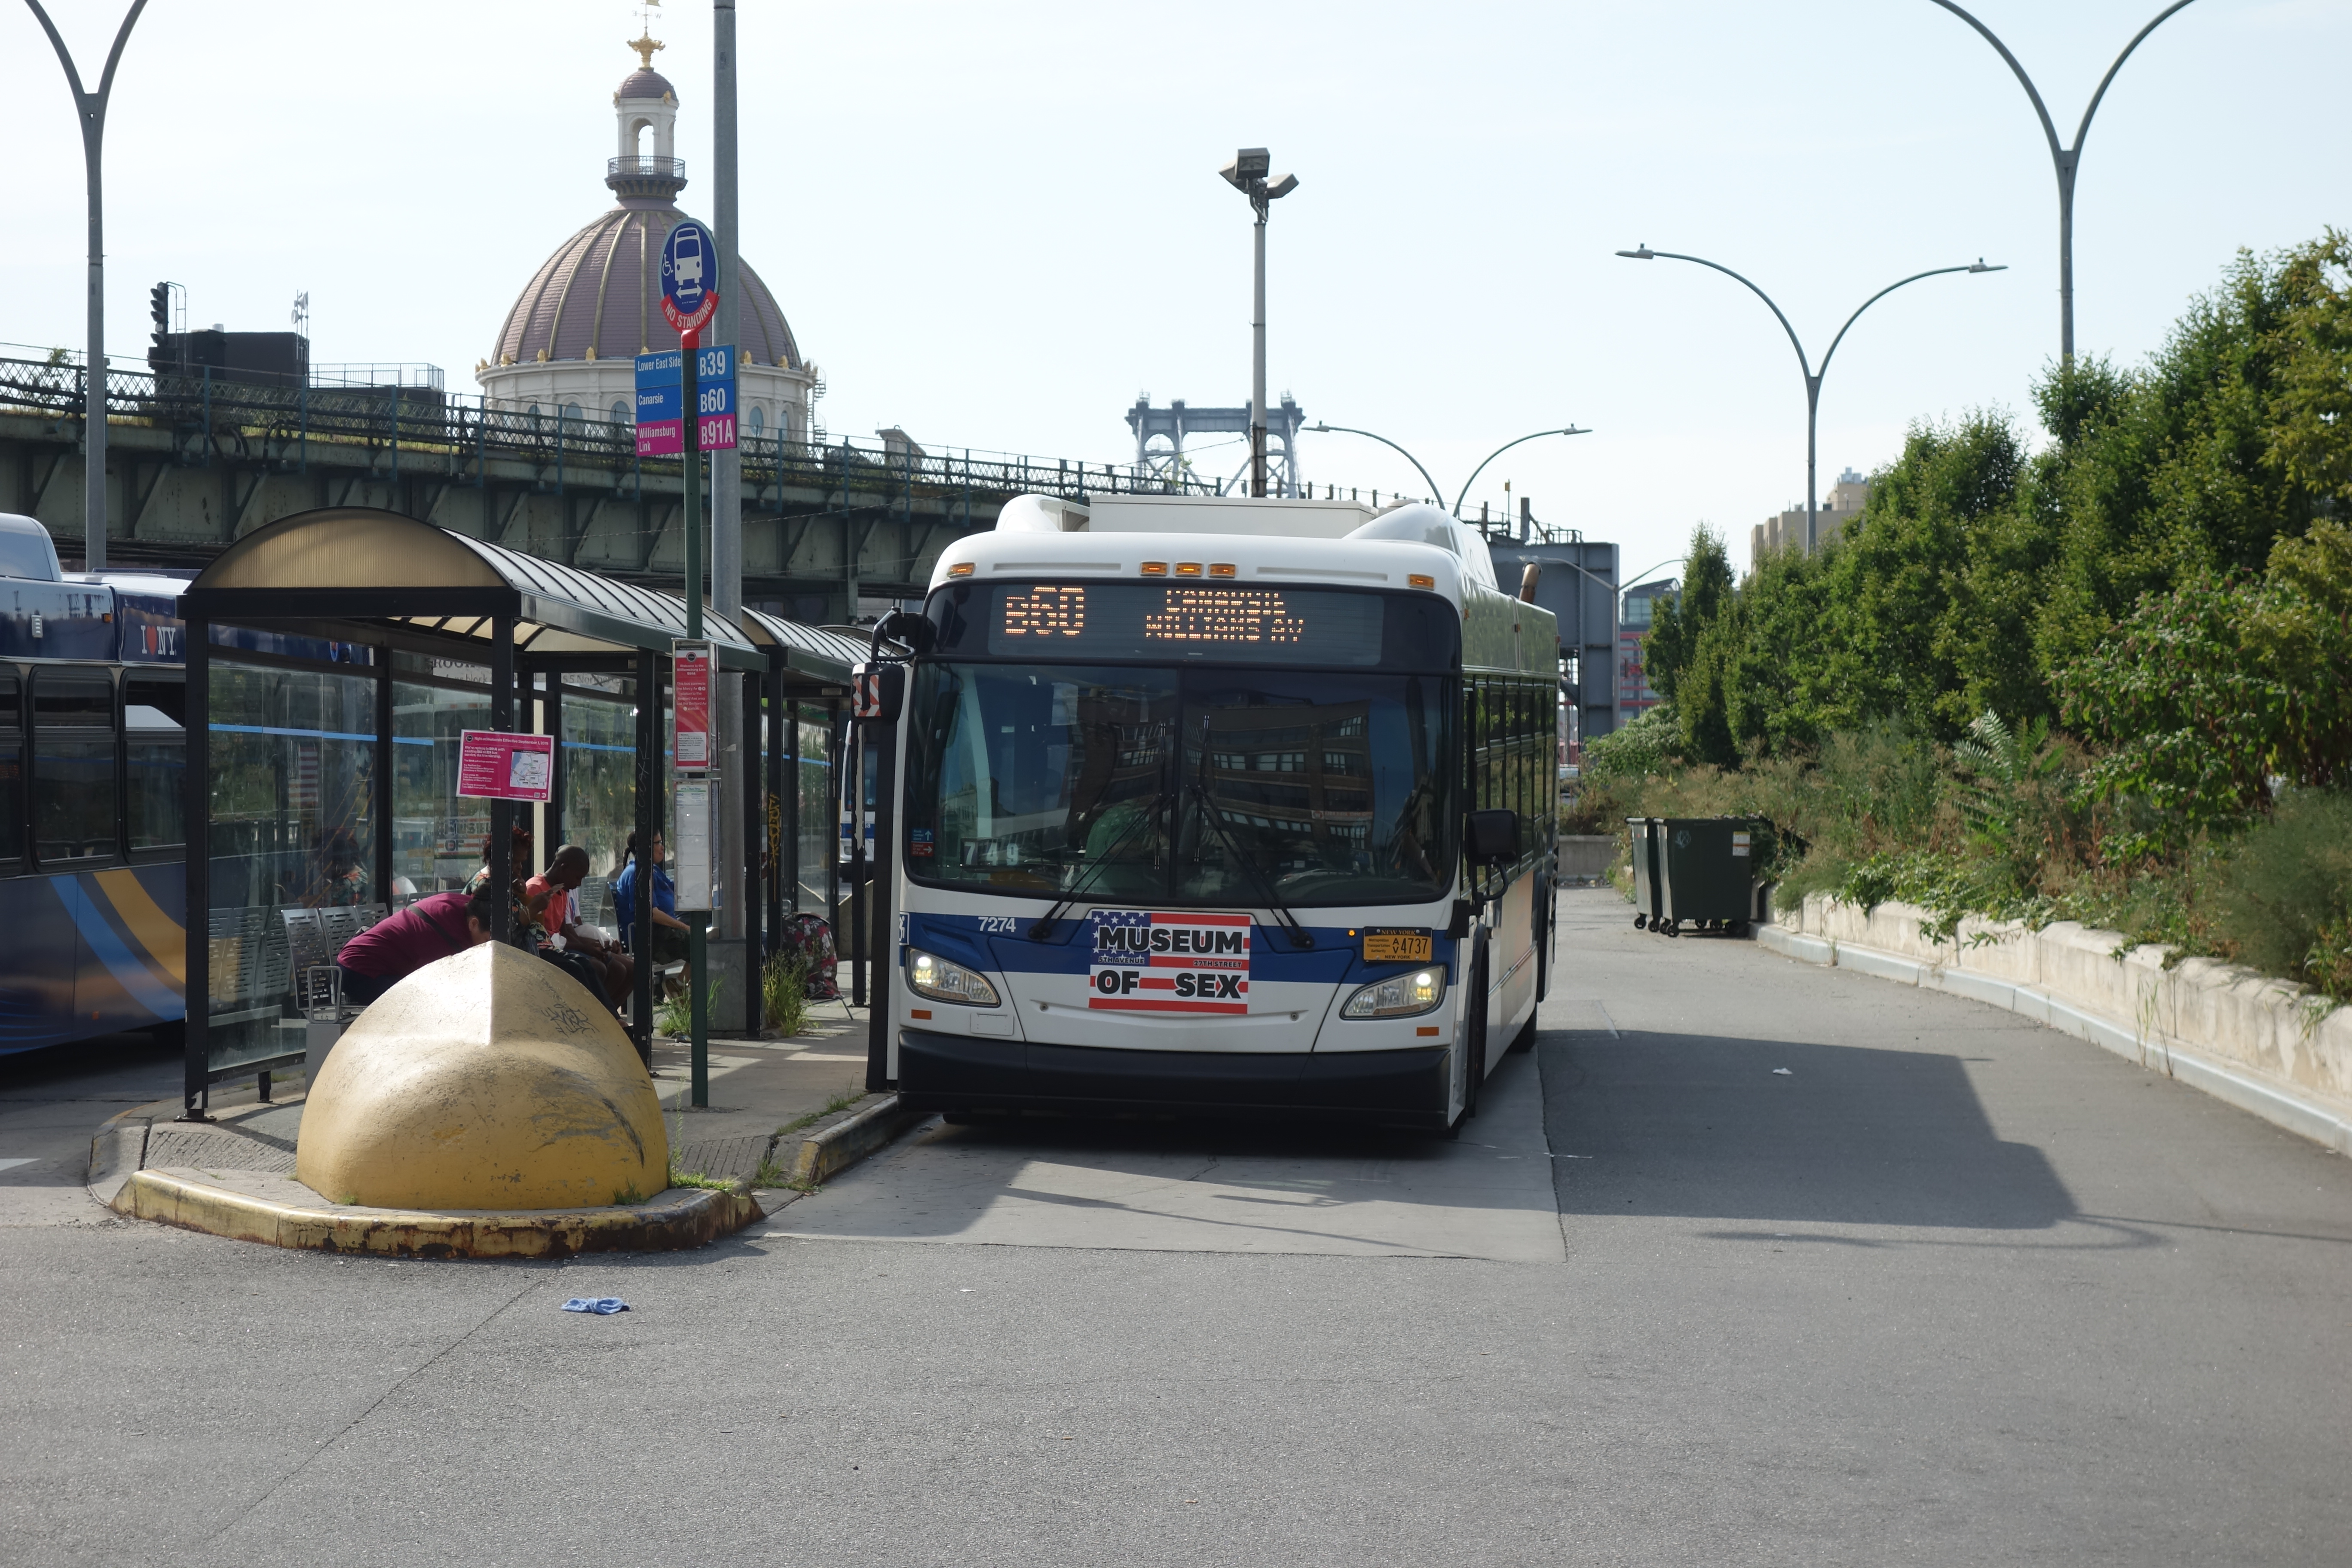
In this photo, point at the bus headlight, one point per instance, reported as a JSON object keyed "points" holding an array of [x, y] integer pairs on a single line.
{"points": [[1400, 997], [936, 978]]}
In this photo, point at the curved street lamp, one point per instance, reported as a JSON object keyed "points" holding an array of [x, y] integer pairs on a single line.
{"points": [[89, 110], [2066, 159], [1465, 492], [1812, 376], [1344, 430]]}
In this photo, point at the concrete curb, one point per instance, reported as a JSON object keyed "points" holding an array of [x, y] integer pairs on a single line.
{"points": [[2281, 1106], [277, 1211], [117, 1153], [827, 1153]]}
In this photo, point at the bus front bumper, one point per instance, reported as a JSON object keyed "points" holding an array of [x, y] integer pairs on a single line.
{"points": [[1405, 1088]]}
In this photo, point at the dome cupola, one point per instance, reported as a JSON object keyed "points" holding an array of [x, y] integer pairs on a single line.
{"points": [[568, 344]]}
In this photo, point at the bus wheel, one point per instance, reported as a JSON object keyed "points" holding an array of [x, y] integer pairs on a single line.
{"points": [[1641, 921], [1474, 1069], [1524, 1040], [1477, 1074]]}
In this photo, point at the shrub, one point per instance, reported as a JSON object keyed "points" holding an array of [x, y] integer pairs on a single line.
{"points": [[2282, 899], [783, 992]]}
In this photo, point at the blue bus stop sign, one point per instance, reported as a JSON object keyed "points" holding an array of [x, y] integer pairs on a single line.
{"points": [[690, 275]]}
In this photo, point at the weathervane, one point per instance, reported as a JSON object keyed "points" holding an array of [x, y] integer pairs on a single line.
{"points": [[644, 43]]}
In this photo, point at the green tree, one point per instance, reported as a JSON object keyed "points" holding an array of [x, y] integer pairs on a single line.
{"points": [[2168, 474], [1680, 622]]}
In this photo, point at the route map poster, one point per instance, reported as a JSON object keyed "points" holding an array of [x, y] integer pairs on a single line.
{"points": [[494, 765]]}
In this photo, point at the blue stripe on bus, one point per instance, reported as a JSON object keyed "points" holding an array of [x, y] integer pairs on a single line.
{"points": [[129, 971]]}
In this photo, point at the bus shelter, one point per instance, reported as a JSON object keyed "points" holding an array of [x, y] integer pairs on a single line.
{"points": [[803, 738], [334, 660]]}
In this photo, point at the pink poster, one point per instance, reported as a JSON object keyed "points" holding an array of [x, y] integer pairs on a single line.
{"points": [[493, 766]]}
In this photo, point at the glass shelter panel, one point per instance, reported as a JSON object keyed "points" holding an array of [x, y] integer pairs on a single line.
{"points": [[294, 818], [600, 769], [436, 840]]}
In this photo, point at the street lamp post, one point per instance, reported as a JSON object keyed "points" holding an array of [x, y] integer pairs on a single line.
{"points": [[1812, 377], [1464, 493], [2065, 159], [1247, 175], [89, 109], [1344, 430]]}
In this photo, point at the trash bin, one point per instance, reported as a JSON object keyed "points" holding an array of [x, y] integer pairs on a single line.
{"points": [[1706, 874], [1642, 835]]}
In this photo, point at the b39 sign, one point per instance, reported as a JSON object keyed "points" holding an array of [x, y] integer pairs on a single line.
{"points": [[494, 765]]}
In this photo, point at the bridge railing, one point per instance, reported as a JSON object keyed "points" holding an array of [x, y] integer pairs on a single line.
{"points": [[212, 417]]}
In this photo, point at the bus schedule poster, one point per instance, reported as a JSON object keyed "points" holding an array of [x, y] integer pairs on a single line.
{"points": [[689, 701], [1170, 962], [494, 765]]}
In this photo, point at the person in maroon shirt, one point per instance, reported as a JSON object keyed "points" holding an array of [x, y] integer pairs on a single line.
{"points": [[399, 946]]}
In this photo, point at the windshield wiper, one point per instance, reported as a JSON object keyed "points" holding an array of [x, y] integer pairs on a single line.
{"points": [[1044, 929], [1300, 937]]}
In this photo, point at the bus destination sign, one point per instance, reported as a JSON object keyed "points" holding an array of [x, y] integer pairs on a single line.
{"points": [[1187, 621]]}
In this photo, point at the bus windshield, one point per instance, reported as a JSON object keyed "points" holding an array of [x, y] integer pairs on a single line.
{"points": [[1153, 784]]}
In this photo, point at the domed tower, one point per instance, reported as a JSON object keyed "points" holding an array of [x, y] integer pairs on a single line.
{"points": [[569, 345]]}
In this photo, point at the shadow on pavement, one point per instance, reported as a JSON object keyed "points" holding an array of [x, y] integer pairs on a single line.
{"points": [[1198, 1184], [1705, 1127]]}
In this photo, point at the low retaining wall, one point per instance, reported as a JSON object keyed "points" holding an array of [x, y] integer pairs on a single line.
{"points": [[1585, 858], [2262, 1044]]}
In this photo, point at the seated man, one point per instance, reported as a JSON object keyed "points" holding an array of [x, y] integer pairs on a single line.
{"points": [[551, 893], [399, 946], [669, 932]]}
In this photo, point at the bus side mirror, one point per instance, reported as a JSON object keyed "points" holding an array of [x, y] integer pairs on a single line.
{"points": [[1493, 837], [878, 692]]}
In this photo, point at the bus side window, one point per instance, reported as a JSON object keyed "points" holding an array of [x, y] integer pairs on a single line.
{"points": [[154, 754], [73, 766], [12, 768]]}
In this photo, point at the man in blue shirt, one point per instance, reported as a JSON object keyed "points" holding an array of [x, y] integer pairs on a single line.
{"points": [[669, 932]]}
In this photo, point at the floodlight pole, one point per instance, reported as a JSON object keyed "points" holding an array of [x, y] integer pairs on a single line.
{"points": [[2066, 160], [1812, 377], [1257, 350], [1247, 173], [89, 109], [728, 850]]}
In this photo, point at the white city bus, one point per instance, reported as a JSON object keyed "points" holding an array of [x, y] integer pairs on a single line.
{"points": [[1219, 805]]}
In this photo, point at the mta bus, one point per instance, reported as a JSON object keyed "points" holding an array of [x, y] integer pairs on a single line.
{"points": [[1224, 807], [92, 761]]}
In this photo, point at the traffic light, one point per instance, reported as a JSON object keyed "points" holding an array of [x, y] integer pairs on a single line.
{"points": [[159, 306]]}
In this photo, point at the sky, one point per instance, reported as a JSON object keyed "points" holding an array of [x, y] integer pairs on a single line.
{"points": [[994, 225]]}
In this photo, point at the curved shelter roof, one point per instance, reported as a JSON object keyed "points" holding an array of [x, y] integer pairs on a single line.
{"points": [[824, 656], [358, 564]]}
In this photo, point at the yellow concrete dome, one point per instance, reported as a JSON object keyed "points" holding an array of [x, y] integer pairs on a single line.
{"points": [[487, 1081]]}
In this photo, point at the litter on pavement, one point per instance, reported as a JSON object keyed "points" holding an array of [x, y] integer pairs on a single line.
{"points": [[595, 1304]]}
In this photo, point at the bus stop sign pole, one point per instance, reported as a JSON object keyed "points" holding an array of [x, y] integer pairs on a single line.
{"points": [[689, 299]]}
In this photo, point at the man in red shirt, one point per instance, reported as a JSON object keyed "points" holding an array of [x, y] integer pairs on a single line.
{"points": [[614, 972], [399, 946]]}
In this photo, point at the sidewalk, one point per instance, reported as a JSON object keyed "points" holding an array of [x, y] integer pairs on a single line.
{"points": [[784, 1115]]}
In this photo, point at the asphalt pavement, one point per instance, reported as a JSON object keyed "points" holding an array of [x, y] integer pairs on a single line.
{"points": [[1827, 1271]]}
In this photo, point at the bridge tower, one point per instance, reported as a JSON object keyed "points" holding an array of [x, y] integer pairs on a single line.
{"points": [[1161, 433]]}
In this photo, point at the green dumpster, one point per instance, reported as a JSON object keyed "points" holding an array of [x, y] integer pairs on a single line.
{"points": [[1706, 874]]}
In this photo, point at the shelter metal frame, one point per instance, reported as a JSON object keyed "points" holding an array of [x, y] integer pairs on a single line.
{"points": [[381, 580]]}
